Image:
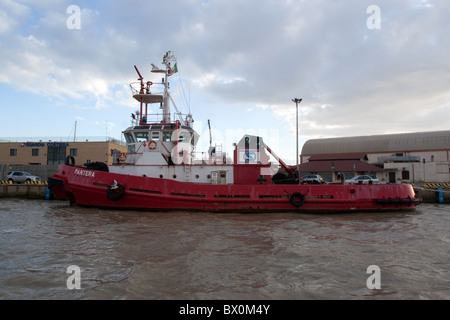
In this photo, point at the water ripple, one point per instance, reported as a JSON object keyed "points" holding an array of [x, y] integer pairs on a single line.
{"points": [[181, 255]]}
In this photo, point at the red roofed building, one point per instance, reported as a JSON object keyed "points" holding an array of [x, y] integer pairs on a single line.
{"points": [[328, 166]]}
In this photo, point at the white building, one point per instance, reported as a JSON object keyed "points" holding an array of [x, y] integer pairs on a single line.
{"points": [[407, 157]]}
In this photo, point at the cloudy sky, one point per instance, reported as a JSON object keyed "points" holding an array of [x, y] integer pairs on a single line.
{"points": [[361, 67]]}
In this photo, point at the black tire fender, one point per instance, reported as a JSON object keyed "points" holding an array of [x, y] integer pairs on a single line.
{"points": [[70, 160], [115, 194], [297, 199]]}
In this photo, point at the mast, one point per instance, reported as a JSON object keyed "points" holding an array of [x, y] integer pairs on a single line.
{"points": [[168, 57], [145, 93], [141, 91]]}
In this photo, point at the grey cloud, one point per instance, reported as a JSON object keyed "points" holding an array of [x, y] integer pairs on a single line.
{"points": [[259, 53]]}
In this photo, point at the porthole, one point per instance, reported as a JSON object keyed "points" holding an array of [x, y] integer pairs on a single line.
{"points": [[174, 176], [161, 176], [197, 176]]}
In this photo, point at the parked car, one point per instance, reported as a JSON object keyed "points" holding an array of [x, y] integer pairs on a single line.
{"points": [[365, 178], [21, 177], [312, 179]]}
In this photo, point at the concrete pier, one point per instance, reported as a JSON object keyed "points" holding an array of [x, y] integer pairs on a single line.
{"points": [[434, 192], [27, 191]]}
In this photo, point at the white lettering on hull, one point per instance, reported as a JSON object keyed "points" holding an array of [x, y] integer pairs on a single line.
{"points": [[84, 173]]}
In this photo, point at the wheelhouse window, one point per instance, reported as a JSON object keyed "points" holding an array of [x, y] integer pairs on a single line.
{"points": [[167, 135], [129, 137], [131, 148], [155, 135], [141, 136]]}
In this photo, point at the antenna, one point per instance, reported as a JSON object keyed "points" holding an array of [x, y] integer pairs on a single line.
{"points": [[75, 133], [210, 136]]}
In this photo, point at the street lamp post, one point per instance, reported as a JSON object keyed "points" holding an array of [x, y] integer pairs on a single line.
{"points": [[297, 101], [332, 171]]}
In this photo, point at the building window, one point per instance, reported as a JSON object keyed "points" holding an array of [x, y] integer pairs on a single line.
{"points": [[35, 152], [405, 175], [56, 155], [432, 158], [74, 152], [13, 152]]}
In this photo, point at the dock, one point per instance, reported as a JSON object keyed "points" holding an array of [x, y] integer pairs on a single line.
{"points": [[33, 190], [433, 192]]}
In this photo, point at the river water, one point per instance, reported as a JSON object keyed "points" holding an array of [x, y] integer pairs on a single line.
{"points": [[205, 256]]}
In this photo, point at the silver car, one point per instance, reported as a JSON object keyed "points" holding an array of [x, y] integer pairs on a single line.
{"points": [[21, 177], [363, 179], [312, 179]]}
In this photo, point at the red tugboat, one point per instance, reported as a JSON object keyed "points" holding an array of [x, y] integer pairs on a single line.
{"points": [[159, 172]]}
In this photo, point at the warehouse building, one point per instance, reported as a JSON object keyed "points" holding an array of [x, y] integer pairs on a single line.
{"points": [[43, 158], [394, 158]]}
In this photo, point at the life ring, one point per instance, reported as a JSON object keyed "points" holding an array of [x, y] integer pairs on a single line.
{"points": [[122, 157], [297, 199], [70, 161], [115, 192], [152, 145]]}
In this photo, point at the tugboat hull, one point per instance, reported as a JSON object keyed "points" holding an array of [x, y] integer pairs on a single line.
{"points": [[110, 190]]}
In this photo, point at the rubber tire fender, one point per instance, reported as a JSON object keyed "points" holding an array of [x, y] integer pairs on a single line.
{"points": [[115, 194], [70, 160], [297, 195]]}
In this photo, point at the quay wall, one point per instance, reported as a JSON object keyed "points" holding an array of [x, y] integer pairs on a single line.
{"points": [[27, 191], [431, 195]]}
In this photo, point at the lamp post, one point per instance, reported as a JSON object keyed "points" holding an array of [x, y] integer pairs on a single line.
{"points": [[297, 101], [332, 171]]}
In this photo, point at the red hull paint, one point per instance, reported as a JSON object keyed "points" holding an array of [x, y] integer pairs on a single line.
{"points": [[89, 188]]}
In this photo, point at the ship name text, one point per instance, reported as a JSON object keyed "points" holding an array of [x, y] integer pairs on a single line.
{"points": [[84, 173]]}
